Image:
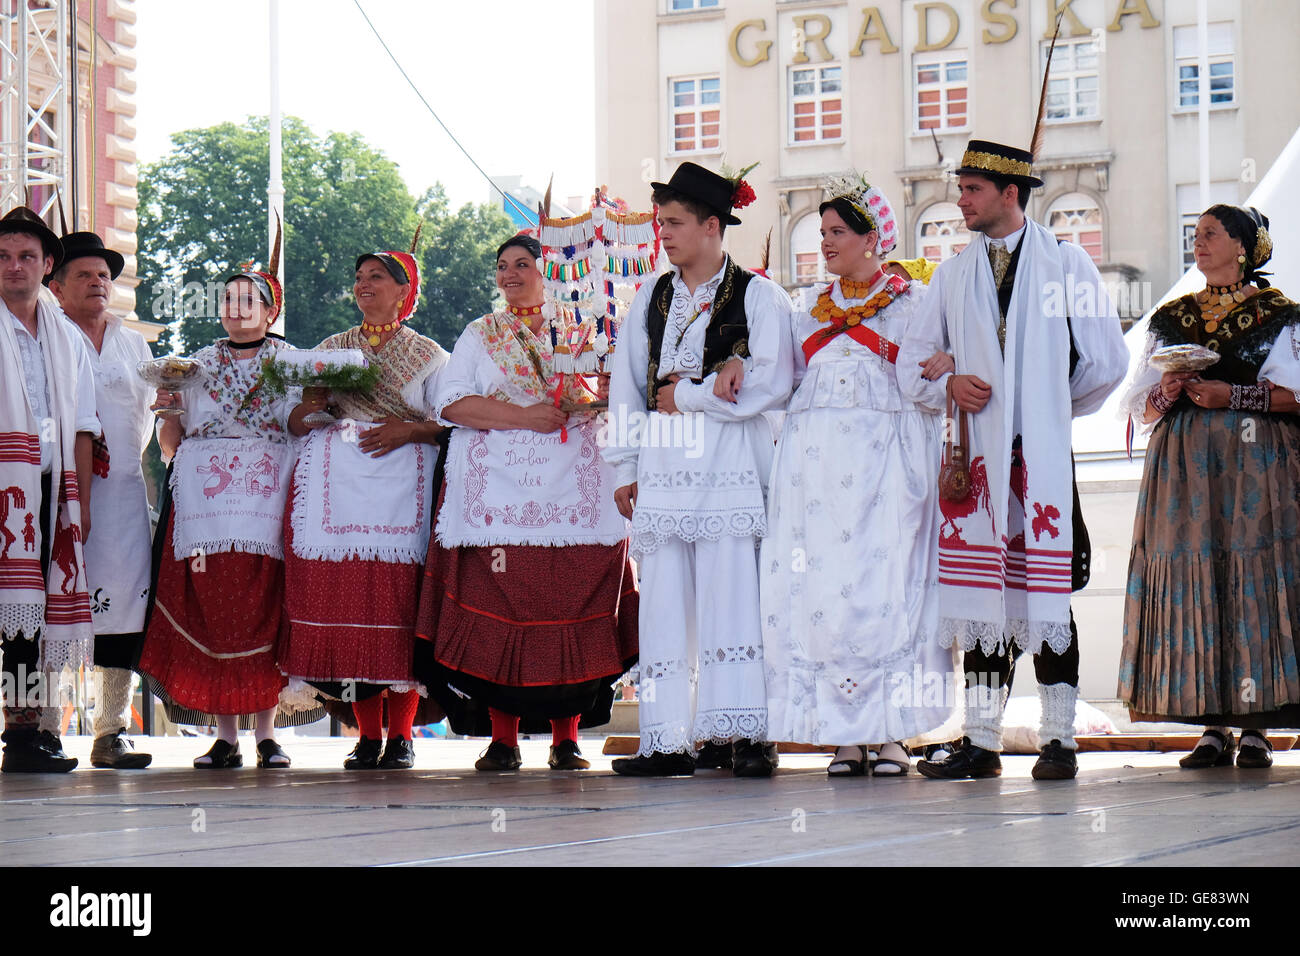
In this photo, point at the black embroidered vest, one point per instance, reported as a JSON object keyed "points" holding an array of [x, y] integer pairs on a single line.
{"points": [[727, 333], [1243, 338]]}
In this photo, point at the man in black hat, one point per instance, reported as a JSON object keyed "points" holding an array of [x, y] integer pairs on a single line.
{"points": [[47, 425], [118, 556], [1036, 342], [691, 473]]}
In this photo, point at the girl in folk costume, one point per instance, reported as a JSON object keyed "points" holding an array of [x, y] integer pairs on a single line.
{"points": [[219, 598], [1211, 626], [849, 568], [530, 602], [361, 504]]}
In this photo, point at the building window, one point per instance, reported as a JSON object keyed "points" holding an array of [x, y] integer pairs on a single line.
{"points": [[696, 113], [816, 104], [681, 6], [942, 94], [1076, 218], [1190, 209], [1072, 92], [941, 232], [1187, 66], [806, 264]]}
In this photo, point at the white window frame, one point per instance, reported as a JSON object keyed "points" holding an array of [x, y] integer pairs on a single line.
{"points": [[1066, 77], [691, 6], [817, 98], [942, 61], [698, 111], [1222, 50], [814, 220], [1078, 202], [960, 235]]}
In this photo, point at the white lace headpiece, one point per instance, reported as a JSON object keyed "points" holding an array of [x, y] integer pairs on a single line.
{"points": [[868, 200]]}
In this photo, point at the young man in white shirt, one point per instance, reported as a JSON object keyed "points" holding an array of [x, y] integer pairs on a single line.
{"points": [[692, 469]]}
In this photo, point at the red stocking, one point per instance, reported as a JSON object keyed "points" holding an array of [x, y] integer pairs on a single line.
{"points": [[401, 712], [370, 716], [564, 728], [505, 727]]}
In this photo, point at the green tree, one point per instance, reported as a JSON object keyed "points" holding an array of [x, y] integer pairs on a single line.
{"points": [[203, 213], [457, 264]]}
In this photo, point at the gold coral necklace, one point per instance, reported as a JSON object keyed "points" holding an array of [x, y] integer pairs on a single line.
{"points": [[1217, 301]]}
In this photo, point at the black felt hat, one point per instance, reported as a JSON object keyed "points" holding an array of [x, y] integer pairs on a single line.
{"points": [[704, 186], [22, 219], [78, 245], [983, 157]]}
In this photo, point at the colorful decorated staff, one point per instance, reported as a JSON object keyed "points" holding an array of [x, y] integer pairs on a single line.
{"points": [[219, 597], [360, 517]]}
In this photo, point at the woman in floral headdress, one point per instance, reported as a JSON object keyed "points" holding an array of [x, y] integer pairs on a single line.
{"points": [[219, 599], [849, 568], [530, 604], [1211, 622], [361, 502]]}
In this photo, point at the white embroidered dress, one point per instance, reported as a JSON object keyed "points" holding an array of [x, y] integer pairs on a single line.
{"points": [[849, 569]]}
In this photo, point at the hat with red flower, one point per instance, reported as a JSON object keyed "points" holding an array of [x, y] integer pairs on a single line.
{"points": [[721, 192]]}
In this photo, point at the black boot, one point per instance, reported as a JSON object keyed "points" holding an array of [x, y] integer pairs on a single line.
{"points": [[28, 750]]}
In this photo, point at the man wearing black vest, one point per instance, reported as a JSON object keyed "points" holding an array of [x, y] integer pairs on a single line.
{"points": [[1036, 342], [692, 470]]}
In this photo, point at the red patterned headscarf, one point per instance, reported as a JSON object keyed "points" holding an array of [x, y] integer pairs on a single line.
{"points": [[268, 287], [404, 270]]}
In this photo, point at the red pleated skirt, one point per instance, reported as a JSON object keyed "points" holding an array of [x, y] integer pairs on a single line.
{"points": [[213, 633]]}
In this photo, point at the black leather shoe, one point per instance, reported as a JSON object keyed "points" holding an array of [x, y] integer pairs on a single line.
{"points": [[1055, 762], [1252, 756], [499, 758], [967, 761], [656, 764], [399, 754], [364, 756], [1207, 755], [566, 756], [267, 752], [116, 752], [751, 758], [223, 755], [713, 757], [41, 753]]}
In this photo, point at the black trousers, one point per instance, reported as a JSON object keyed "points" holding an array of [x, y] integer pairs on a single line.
{"points": [[999, 669], [21, 655]]}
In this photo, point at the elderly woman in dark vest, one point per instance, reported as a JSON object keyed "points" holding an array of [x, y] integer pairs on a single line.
{"points": [[1211, 626]]}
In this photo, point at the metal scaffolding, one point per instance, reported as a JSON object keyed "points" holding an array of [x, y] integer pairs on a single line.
{"points": [[35, 104]]}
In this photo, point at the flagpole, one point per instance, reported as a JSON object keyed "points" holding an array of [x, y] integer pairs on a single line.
{"points": [[275, 185]]}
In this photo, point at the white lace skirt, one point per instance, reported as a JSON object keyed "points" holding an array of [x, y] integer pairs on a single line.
{"points": [[849, 580]]}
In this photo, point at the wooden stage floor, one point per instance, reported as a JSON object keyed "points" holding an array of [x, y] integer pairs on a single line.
{"points": [[1124, 809]]}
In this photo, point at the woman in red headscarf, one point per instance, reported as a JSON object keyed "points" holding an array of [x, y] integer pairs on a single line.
{"points": [[219, 599], [360, 510]]}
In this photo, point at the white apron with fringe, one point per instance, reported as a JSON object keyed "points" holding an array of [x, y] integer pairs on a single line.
{"points": [[347, 504]]}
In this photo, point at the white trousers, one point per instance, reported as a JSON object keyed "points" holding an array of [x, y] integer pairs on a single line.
{"points": [[113, 687], [701, 671]]}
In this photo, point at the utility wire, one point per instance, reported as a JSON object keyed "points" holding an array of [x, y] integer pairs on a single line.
{"points": [[504, 195]]}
